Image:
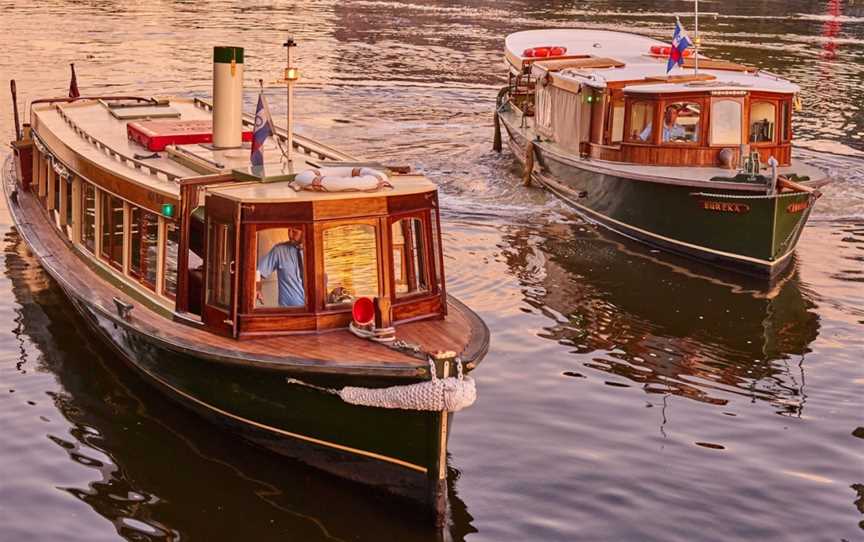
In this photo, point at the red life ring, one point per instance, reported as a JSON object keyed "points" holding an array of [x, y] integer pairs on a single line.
{"points": [[544, 52]]}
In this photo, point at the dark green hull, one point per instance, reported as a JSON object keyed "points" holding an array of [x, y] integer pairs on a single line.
{"points": [[736, 229], [394, 450]]}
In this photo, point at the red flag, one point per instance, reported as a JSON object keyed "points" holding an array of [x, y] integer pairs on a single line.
{"points": [[73, 84]]}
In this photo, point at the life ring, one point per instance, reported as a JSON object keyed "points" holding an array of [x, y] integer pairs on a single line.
{"points": [[342, 179]]}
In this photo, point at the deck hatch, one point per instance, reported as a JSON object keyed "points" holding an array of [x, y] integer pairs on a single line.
{"points": [[144, 112]]}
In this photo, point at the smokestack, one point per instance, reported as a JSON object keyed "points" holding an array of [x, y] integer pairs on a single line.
{"points": [[227, 97]]}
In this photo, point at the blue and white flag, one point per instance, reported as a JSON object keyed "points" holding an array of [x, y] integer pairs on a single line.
{"points": [[680, 43], [262, 130]]}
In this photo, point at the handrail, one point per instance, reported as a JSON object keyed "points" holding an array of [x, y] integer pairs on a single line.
{"points": [[308, 146], [124, 159], [106, 98]]}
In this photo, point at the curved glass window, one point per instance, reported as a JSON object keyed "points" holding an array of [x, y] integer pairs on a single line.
{"points": [[409, 257], [172, 248], [641, 122], [143, 245], [681, 122], [112, 230], [762, 120], [726, 122], [88, 209], [279, 275], [350, 263]]}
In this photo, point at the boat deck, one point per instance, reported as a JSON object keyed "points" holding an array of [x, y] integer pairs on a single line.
{"points": [[89, 129], [335, 351]]}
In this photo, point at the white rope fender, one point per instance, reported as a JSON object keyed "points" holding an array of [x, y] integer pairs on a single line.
{"points": [[342, 179], [438, 394]]}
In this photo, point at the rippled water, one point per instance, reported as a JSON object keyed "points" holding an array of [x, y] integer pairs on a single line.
{"points": [[627, 395]]}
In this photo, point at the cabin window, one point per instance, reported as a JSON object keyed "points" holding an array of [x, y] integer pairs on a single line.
{"points": [[280, 272], [172, 248], [409, 257], [617, 133], [55, 195], [112, 230], [681, 122], [786, 121], [642, 122], [762, 118], [67, 200], [44, 166], [220, 264], [350, 263], [726, 122], [88, 210], [143, 245]]}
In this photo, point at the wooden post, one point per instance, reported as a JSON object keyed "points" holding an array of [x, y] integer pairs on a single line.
{"points": [[529, 164], [496, 140], [15, 110]]}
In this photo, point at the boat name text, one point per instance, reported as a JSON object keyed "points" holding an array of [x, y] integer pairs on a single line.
{"points": [[725, 206]]}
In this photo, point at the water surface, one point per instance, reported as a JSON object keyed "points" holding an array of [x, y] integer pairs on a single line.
{"points": [[627, 395]]}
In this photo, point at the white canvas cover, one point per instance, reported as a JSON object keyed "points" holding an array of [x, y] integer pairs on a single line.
{"points": [[557, 115]]}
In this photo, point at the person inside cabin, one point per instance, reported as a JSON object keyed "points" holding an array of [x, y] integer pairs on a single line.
{"points": [[286, 259], [672, 131]]}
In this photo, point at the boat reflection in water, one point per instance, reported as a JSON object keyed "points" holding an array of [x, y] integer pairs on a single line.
{"points": [[127, 434], [664, 323]]}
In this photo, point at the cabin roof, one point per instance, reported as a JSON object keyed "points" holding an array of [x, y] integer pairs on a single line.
{"points": [[634, 52], [281, 192], [90, 130]]}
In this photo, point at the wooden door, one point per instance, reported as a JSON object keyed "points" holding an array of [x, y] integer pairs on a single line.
{"points": [[221, 265]]}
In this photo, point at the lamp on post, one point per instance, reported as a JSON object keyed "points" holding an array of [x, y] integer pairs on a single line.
{"points": [[292, 75]]}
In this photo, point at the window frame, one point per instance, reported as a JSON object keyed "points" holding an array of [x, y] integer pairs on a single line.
{"points": [[743, 121], [141, 274], [309, 259], [785, 112], [378, 224], [107, 196], [92, 249], [617, 100], [629, 104], [428, 256], [700, 131], [162, 278], [775, 136]]}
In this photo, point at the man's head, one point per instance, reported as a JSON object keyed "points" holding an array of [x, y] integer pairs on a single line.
{"points": [[295, 235], [672, 115]]}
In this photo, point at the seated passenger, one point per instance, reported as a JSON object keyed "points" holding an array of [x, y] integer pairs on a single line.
{"points": [[286, 259]]}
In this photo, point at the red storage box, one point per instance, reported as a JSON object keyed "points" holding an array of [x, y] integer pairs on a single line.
{"points": [[158, 134]]}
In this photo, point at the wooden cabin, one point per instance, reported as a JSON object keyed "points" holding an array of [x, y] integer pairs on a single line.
{"points": [[612, 105], [183, 229]]}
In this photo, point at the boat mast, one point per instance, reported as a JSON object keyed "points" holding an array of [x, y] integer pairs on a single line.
{"points": [[696, 38], [291, 76]]}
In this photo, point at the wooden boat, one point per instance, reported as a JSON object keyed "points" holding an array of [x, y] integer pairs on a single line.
{"points": [[158, 241], [698, 162]]}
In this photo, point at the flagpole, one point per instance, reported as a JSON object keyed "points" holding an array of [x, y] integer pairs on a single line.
{"points": [[696, 38], [290, 78]]}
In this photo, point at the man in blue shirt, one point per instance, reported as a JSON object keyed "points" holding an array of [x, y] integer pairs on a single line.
{"points": [[286, 259], [672, 131]]}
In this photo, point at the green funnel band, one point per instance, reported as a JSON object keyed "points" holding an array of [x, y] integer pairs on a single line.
{"points": [[224, 55]]}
